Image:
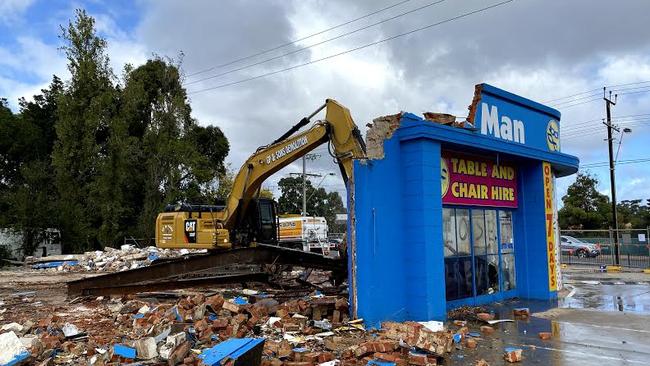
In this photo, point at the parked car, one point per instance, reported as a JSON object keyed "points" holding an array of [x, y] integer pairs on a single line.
{"points": [[579, 248]]}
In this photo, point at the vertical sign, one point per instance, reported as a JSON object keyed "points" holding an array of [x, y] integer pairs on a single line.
{"points": [[558, 235], [549, 208]]}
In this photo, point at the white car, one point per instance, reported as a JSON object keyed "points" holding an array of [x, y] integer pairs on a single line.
{"points": [[573, 246]]}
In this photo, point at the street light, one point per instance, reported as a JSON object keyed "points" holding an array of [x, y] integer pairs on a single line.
{"points": [[620, 141], [612, 176]]}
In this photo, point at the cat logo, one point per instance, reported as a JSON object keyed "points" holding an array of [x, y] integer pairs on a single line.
{"points": [[553, 135]]}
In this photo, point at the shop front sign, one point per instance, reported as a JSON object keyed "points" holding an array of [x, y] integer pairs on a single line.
{"points": [[477, 182]]}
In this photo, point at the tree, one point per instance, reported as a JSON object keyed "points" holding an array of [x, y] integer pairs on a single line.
{"points": [[585, 207], [319, 201], [173, 158], [85, 112], [99, 160], [28, 197]]}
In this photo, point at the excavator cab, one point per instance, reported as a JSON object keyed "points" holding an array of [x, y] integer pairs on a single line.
{"points": [[259, 224]]}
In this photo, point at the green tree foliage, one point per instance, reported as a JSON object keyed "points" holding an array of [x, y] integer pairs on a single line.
{"points": [[319, 201], [175, 159], [87, 109], [27, 194], [98, 159], [585, 207]]}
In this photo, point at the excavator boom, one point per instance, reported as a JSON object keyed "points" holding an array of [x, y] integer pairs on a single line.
{"points": [[240, 220]]}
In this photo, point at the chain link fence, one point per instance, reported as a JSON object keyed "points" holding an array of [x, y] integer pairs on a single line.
{"points": [[597, 247]]}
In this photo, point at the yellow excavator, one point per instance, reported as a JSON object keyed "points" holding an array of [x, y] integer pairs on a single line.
{"points": [[246, 219]]}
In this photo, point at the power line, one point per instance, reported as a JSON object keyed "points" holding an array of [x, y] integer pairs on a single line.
{"points": [[316, 44], [590, 124], [620, 162], [572, 95], [354, 49], [580, 103], [577, 99], [298, 40], [599, 89]]}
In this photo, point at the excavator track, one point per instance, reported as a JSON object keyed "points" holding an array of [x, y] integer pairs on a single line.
{"points": [[190, 271]]}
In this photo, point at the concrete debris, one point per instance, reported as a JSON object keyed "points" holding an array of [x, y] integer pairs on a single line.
{"points": [[12, 327], [382, 128], [146, 348], [12, 350], [108, 260]]}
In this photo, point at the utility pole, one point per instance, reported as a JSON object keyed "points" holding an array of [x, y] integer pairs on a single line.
{"points": [[612, 173], [304, 179], [304, 186]]}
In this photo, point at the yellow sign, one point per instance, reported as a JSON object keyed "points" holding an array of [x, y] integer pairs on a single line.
{"points": [[549, 207], [553, 135], [291, 229]]}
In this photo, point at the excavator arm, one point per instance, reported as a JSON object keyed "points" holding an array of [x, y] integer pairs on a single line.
{"points": [[338, 128], [220, 227]]}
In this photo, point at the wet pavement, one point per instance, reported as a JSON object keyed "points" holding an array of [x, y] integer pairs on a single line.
{"points": [[595, 324]]}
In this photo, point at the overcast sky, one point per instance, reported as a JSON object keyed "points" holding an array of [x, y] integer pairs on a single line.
{"points": [[543, 50]]}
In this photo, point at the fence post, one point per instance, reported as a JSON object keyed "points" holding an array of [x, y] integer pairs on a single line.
{"points": [[647, 245], [611, 248]]}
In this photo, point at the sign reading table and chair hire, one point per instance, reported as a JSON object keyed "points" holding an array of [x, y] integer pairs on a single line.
{"points": [[477, 182]]}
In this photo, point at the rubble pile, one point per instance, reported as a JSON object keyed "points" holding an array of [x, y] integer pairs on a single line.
{"points": [[108, 260], [312, 330]]}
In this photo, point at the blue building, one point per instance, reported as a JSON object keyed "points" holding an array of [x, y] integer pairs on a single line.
{"points": [[457, 214]]}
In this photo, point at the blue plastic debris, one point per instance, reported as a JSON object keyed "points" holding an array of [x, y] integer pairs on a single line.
{"points": [[243, 351], [152, 256], [510, 349], [240, 300], [380, 363], [17, 359], [458, 337], [212, 317], [54, 264], [179, 318], [123, 351], [474, 334], [300, 349], [138, 316]]}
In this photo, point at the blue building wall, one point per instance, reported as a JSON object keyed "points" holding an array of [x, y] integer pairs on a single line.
{"points": [[397, 242]]}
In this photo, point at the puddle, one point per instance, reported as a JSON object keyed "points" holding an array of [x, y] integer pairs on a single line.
{"points": [[624, 298]]}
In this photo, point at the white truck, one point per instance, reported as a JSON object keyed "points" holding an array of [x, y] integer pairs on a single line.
{"points": [[306, 233]]}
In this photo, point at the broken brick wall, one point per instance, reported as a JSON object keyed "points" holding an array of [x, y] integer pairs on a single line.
{"points": [[398, 251]]}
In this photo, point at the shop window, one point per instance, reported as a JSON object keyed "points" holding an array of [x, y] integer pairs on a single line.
{"points": [[491, 231], [458, 260], [478, 231], [487, 265], [508, 273], [462, 231], [449, 231], [507, 243]]}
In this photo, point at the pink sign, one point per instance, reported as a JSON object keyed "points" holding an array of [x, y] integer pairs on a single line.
{"points": [[477, 182]]}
